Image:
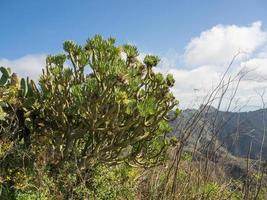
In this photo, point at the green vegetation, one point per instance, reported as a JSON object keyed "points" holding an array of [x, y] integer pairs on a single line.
{"points": [[94, 127]]}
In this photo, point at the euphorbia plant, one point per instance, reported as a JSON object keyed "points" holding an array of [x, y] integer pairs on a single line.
{"points": [[97, 103]]}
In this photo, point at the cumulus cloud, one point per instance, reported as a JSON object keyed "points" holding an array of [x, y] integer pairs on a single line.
{"points": [[257, 67], [192, 86], [206, 58], [218, 44], [29, 65]]}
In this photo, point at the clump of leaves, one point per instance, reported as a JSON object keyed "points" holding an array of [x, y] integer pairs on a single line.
{"points": [[92, 106], [115, 113]]}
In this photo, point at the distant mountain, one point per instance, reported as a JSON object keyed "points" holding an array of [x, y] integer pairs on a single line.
{"points": [[240, 134]]}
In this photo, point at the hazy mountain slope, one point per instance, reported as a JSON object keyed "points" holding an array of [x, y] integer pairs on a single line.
{"points": [[236, 132], [241, 133]]}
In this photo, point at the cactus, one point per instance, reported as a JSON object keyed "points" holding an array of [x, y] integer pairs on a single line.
{"points": [[26, 87], [23, 87], [5, 75]]}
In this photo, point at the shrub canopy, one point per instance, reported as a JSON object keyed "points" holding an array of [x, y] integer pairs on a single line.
{"points": [[96, 103]]}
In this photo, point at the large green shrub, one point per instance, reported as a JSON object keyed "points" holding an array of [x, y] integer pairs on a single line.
{"points": [[95, 104]]}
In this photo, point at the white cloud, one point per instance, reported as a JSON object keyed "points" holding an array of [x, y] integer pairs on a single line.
{"points": [[29, 65], [192, 84], [192, 87], [218, 44], [207, 57], [257, 67]]}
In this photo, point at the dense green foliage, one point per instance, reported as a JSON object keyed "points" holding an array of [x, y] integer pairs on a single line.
{"points": [[95, 104]]}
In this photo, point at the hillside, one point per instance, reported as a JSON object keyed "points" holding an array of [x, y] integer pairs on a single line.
{"points": [[239, 133]]}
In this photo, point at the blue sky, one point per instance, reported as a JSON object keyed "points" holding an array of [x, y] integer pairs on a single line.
{"points": [[195, 39], [157, 26]]}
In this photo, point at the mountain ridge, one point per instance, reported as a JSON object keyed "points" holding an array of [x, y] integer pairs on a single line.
{"points": [[240, 133]]}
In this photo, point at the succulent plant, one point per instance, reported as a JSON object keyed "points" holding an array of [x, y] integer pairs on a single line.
{"points": [[97, 106]]}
